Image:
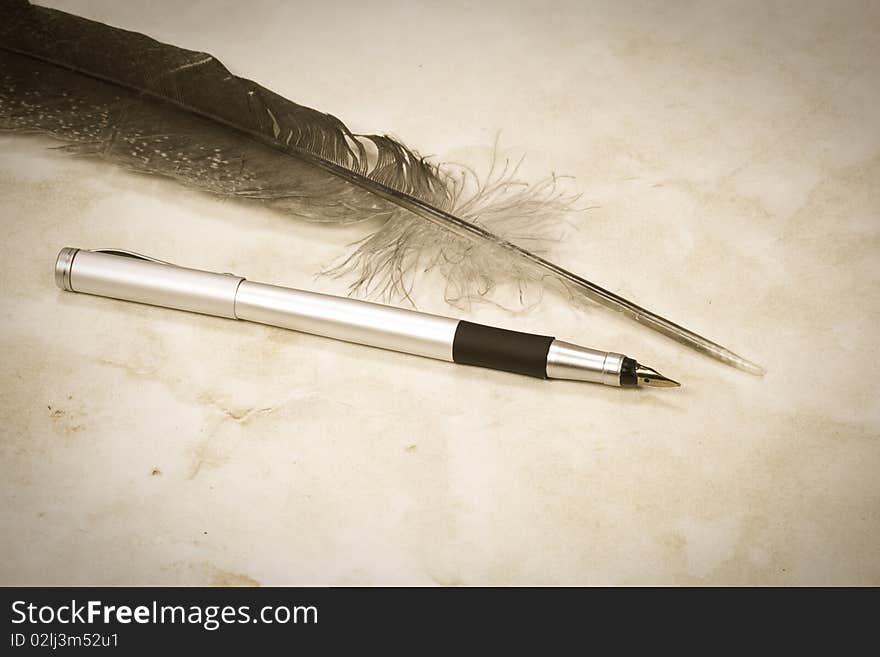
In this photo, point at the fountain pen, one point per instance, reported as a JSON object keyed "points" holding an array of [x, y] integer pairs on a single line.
{"points": [[129, 276]]}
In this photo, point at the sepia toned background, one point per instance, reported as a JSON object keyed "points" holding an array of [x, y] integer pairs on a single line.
{"points": [[728, 154]]}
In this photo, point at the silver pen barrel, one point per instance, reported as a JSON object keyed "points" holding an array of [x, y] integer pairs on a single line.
{"points": [[132, 277], [351, 320]]}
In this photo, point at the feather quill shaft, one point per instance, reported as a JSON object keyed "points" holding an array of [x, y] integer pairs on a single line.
{"points": [[162, 109]]}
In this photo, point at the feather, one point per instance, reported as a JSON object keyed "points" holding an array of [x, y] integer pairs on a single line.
{"points": [[160, 109]]}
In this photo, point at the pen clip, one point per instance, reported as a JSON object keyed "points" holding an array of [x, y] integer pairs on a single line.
{"points": [[141, 256], [132, 254]]}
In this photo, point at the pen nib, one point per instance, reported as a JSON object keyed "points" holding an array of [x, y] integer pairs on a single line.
{"points": [[648, 376]]}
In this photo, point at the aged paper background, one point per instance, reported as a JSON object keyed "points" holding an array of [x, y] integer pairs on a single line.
{"points": [[730, 153]]}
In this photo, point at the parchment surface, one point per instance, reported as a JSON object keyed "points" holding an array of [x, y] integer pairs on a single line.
{"points": [[730, 157]]}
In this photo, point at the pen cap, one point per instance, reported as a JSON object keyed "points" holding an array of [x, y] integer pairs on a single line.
{"points": [[136, 278]]}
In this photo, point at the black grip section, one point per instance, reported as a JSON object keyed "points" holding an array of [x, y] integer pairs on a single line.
{"points": [[500, 349], [628, 377]]}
